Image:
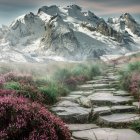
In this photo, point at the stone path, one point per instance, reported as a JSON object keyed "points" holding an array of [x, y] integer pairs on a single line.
{"points": [[100, 102]]}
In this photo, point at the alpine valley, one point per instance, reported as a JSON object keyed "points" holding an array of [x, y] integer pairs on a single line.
{"points": [[67, 33]]}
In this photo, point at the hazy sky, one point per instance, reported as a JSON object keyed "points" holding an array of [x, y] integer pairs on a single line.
{"points": [[10, 9]]}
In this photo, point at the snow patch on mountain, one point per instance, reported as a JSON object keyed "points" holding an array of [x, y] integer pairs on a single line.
{"points": [[67, 33]]}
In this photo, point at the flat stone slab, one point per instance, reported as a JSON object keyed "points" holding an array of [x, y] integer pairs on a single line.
{"points": [[121, 93], [106, 110], [102, 110], [72, 114], [71, 98], [123, 108], [118, 119], [105, 98], [92, 86], [105, 89], [67, 103], [83, 93], [100, 86], [106, 134], [112, 77], [103, 81], [85, 87], [81, 127]]}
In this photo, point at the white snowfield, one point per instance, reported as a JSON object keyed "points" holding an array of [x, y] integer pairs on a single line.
{"points": [[67, 34]]}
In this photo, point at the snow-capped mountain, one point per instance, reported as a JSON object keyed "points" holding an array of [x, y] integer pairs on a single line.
{"points": [[67, 33]]}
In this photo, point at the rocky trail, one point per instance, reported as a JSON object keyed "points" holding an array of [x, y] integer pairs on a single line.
{"points": [[98, 110]]}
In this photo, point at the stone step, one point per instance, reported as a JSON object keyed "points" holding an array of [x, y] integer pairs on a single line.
{"points": [[72, 114], [106, 110], [105, 134], [110, 74], [92, 86], [106, 98], [124, 109], [83, 93], [96, 86], [121, 93], [66, 103], [81, 127], [118, 119], [85, 87], [105, 90], [98, 77], [112, 77], [102, 81], [70, 97]]}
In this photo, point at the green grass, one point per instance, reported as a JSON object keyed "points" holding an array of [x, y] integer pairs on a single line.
{"points": [[130, 78], [12, 86], [78, 74], [127, 71], [136, 126], [49, 82], [53, 91]]}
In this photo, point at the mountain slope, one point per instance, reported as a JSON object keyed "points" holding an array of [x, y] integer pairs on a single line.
{"points": [[67, 33]]}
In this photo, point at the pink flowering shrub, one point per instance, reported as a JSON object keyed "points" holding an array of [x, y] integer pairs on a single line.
{"points": [[73, 81], [2, 81], [130, 79], [11, 76], [134, 86], [21, 119], [31, 92], [4, 92]]}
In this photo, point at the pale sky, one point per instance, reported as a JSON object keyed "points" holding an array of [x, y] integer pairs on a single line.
{"points": [[10, 9]]}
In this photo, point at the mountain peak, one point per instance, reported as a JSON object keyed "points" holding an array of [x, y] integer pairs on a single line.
{"points": [[75, 7], [68, 32], [51, 10], [127, 16]]}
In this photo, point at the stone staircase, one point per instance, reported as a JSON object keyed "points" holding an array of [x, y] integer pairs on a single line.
{"points": [[99, 101]]}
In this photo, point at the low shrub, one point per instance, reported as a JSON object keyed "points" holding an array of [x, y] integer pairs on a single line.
{"points": [[12, 86], [44, 92], [73, 81], [77, 75], [135, 66], [61, 75], [31, 92], [136, 126], [130, 78], [17, 77], [95, 70], [21, 119], [134, 86], [4, 92], [52, 92], [2, 81], [49, 93]]}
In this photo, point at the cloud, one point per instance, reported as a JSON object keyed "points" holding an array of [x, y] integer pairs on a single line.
{"points": [[105, 8], [102, 6], [14, 8]]}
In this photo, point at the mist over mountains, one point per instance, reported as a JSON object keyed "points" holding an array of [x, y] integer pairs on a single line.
{"points": [[67, 33]]}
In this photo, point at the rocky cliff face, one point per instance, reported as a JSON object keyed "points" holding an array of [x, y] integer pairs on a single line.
{"points": [[59, 38], [68, 32], [130, 22]]}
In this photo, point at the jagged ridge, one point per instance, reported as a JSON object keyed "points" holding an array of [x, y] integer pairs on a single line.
{"points": [[67, 32]]}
